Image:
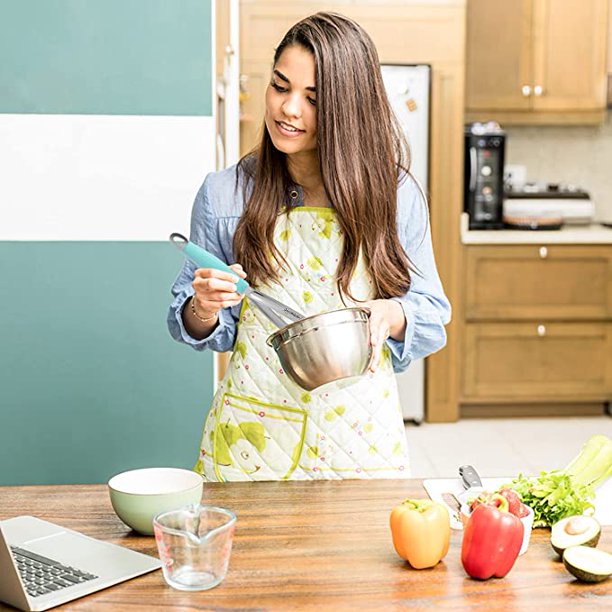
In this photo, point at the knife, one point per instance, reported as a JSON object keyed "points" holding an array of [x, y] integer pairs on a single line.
{"points": [[471, 483], [454, 509]]}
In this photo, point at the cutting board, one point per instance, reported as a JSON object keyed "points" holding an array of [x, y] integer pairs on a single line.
{"points": [[435, 487]]}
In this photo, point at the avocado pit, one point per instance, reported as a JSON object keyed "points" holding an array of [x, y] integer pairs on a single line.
{"points": [[574, 531]]}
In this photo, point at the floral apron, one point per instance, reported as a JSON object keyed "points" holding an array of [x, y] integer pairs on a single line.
{"points": [[263, 426]]}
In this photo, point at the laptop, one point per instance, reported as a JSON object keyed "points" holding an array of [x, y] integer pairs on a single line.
{"points": [[43, 565]]}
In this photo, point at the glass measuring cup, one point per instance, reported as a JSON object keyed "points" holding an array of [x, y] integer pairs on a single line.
{"points": [[194, 544]]}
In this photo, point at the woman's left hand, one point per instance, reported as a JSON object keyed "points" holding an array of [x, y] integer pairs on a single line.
{"points": [[386, 319]]}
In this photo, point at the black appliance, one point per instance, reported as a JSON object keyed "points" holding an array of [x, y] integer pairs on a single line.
{"points": [[484, 175]]}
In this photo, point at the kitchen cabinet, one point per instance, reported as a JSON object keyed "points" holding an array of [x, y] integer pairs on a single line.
{"points": [[538, 361], [531, 282], [537, 329], [536, 61]]}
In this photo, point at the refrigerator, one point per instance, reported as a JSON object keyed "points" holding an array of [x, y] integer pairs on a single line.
{"points": [[408, 89]]}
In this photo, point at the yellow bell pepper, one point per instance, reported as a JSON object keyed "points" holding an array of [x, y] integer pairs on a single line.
{"points": [[420, 529]]}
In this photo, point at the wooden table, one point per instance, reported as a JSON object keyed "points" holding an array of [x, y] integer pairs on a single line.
{"points": [[301, 545]]}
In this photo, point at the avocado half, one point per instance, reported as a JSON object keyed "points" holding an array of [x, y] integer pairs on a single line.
{"points": [[588, 564], [574, 531]]}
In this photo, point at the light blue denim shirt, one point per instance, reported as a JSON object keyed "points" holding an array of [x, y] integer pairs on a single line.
{"points": [[216, 211]]}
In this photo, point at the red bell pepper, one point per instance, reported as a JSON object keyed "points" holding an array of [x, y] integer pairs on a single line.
{"points": [[491, 540]]}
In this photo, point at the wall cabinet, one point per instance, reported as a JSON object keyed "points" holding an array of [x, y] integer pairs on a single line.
{"points": [[536, 61], [538, 326]]}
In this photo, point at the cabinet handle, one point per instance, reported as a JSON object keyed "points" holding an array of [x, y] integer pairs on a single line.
{"points": [[538, 90], [526, 90], [543, 252], [541, 330]]}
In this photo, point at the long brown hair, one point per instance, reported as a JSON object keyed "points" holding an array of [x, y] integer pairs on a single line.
{"points": [[361, 150]]}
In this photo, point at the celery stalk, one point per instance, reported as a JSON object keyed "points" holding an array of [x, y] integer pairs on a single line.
{"points": [[587, 453], [604, 476], [559, 493], [593, 464]]}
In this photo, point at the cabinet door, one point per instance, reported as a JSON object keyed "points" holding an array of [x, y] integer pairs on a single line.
{"points": [[569, 63], [529, 282], [537, 362], [498, 54]]}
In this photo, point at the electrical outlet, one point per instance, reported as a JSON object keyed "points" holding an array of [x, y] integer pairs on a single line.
{"points": [[515, 175]]}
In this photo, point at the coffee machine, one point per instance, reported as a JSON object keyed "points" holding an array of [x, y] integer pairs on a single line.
{"points": [[484, 175]]}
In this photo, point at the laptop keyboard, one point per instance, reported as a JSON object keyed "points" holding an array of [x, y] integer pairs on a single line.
{"points": [[41, 575]]}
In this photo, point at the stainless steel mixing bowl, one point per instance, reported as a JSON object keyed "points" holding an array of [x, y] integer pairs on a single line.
{"points": [[324, 347]]}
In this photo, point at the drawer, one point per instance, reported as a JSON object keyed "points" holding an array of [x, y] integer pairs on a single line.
{"points": [[537, 361], [538, 282]]}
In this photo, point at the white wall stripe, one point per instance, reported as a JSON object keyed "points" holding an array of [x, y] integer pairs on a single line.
{"points": [[90, 177]]}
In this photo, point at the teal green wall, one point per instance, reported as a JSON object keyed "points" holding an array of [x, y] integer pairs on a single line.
{"points": [[107, 57], [91, 383]]}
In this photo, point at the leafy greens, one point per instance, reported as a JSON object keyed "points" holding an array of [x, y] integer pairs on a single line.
{"points": [[559, 493], [552, 496]]}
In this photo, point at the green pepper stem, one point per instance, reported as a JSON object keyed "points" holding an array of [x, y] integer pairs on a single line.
{"points": [[503, 505], [420, 505]]}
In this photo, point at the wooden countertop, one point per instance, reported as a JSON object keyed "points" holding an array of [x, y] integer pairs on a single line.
{"points": [[302, 545]]}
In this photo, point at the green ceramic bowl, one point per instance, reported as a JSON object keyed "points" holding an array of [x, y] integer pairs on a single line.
{"points": [[139, 495]]}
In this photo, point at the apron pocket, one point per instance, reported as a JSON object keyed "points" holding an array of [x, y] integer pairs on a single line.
{"points": [[256, 440]]}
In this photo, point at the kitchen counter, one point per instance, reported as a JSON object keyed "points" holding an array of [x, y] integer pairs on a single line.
{"points": [[302, 545], [568, 234]]}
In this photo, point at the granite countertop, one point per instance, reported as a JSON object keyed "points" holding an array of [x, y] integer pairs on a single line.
{"points": [[568, 234]]}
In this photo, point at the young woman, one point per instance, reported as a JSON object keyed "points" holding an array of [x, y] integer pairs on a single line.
{"points": [[321, 215]]}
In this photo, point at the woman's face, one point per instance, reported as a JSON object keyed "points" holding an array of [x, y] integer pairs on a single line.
{"points": [[291, 113]]}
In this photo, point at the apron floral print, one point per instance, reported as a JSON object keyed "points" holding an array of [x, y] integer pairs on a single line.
{"points": [[262, 426]]}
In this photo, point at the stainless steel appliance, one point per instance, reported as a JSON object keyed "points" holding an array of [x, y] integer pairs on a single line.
{"points": [[545, 206], [484, 175], [408, 89]]}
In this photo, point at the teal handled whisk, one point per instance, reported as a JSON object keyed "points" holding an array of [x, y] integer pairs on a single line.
{"points": [[277, 312]]}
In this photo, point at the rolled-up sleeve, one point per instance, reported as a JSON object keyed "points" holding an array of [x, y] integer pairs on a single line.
{"points": [[204, 232], [425, 305]]}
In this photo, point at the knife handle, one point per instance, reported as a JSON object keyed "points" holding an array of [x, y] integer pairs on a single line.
{"points": [[470, 476]]}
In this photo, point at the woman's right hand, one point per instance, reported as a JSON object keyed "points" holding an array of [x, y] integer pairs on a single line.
{"points": [[215, 290]]}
